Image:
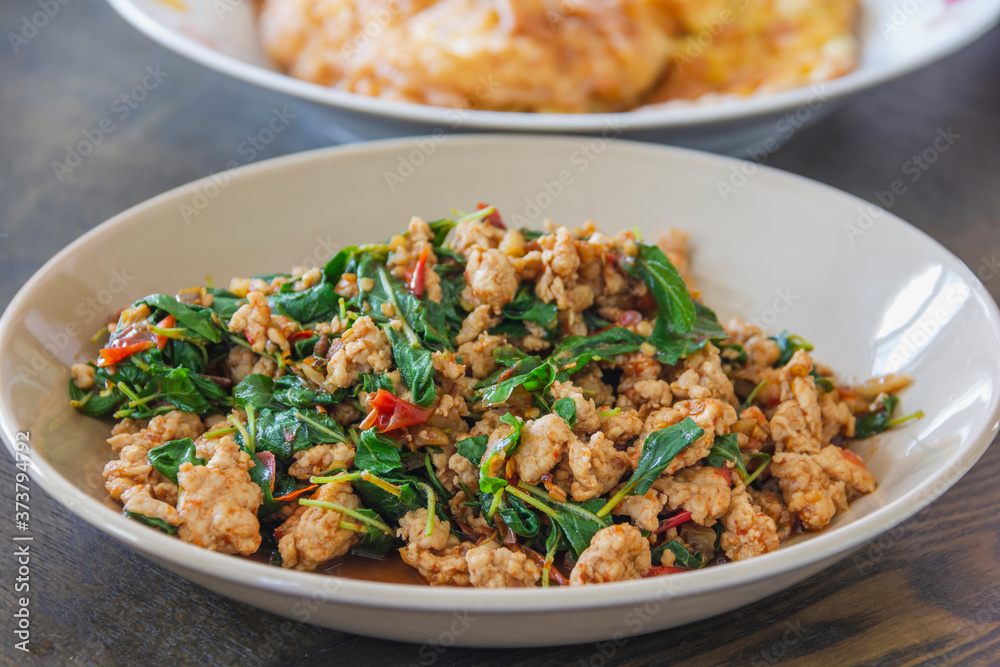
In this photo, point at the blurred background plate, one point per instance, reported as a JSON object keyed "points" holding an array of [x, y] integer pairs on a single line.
{"points": [[897, 36]]}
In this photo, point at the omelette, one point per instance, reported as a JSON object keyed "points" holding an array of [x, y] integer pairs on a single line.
{"points": [[568, 56]]}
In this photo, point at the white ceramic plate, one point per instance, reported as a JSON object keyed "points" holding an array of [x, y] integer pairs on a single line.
{"points": [[897, 36], [873, 294]]}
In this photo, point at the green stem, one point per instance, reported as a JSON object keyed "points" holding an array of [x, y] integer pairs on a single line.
{"points": [[348, 512], [476, 215], [247, 442], [531, 500], [919, 414], [753, 394], [387, 286], [319, 427], [603, 512], [759, 469], [430, 509], [252, 427], [340, 477], [435, 482], [494, 505]]}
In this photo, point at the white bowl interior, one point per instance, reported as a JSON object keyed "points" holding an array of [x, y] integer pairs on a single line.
{"points": [[873, 294]]}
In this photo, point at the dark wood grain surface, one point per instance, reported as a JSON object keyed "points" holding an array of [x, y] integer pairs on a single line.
{"points": [[927, 593]]}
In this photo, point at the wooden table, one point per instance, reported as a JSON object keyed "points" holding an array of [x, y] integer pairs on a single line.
{"points": [[926, 593]]}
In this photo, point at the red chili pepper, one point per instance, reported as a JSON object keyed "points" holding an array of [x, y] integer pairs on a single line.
{"points": [[628, 318], [295, 494], [267, 458], [396, 413], [115, 353], [493, 218], [419, 271], [674, 521], [725, 474], [662, 569], [167, 322], [851, 456], [300, 335]]}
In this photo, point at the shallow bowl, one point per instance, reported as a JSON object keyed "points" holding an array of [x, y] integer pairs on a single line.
{"points": [[872, 293]]}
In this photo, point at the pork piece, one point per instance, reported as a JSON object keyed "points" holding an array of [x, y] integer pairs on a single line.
{"points": [[321, 459], [641, 387], [559, 282], [132, 466], [702, 490], [364, 348], [478, 356], [616, 553], [797, 425], [241, 362], [596, 466], [747, 530], [493, 566], [476, 234], [491, 279], [702, 377], [264, 331], [313, 535], [622, 427], [772, 504], [219, 502], [836, 415], [843, 465], [438, 557], [644, 510], [479, 320], [544, 442], [808, 490], [587, 420], [139, 501], [752, 430]]}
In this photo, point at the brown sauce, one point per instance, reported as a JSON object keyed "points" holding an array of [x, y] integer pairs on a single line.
{"points": [[389, 569]]}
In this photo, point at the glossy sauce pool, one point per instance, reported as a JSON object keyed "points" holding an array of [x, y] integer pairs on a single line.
{"points": [[390, 569]]}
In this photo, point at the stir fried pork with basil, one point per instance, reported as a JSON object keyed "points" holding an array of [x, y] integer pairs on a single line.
{"points": [[508, 408]]}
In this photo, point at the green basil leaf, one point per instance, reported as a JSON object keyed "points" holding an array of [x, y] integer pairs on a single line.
{"points": [[789, 345], [224, 303], [727, 448], [566, 409], [676, 307], [575, 352], [168, 457], [874, 423], [378, 454], [501, 447], [256, 390], [167, 528], [195, 318], [374, 543], [90, 401], [319, 302], [682, 557], [284, 432], [671, 346], [473, 448], [518, 517], [658, 450]]}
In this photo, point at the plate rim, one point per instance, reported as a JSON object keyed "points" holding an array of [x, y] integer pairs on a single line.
{"points": [[446, 599]]}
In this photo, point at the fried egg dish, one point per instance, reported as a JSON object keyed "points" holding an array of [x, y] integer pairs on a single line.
{"points": [[567, 56]]}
